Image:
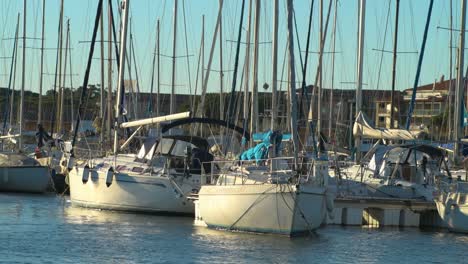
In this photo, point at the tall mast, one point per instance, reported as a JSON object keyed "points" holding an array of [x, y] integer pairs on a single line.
{"points": [[59, 124], [150, 105], [247, 68], [72, 108], [210, 60], [15, 55], [62, 90], [39, 110], [362, 19], [202, 51], [22, 78], [459, 92], [450, 92], [159, 72], [221, 73], [11, 78], [109, 72], [254, 112], [274, 65], [395, 45], [174, 42], [319, 90], [292, 83], [84, 86], [418, 70], [330, 119], [123, 43], [102, 101]]}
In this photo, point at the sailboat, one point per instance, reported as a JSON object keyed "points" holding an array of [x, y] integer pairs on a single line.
{"points": [[159, 178], [273, 195], [18, 172], [405, 171], [452, 204]]}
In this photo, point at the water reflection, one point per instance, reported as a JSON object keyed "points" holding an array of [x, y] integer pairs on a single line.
{"points": [[49, 229]]}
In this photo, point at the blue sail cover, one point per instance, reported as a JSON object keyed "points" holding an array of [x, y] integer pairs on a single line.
{"points": [[260, 151]]}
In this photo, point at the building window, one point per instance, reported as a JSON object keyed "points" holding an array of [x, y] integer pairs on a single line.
{"points": [[381, 119], [382, 105]]}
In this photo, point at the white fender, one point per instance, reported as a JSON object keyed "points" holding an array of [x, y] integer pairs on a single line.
{"points": [[85, 176], [109, 176]]}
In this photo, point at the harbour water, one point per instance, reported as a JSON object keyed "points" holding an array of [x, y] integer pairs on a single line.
{"points": [[47, 229]]}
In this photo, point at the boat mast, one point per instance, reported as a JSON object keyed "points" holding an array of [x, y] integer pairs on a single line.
{"points": [[22, 78], [362, 19], [418, 70], [305, 107], [72, 108], [274, 65], [174, 42], [159, 72], [123, 43], [39, 110], [102, 103], [221, 73], [84, 86], [59, 123], [231, 106], [319, 90], [247, 69], [458, 124], [200, 111], [109, 72], [450, 92], [333, 72], [395, 45], [254, 112], [62, 96], [202, 47], [12, 97], [150, 105], [292, 83]]}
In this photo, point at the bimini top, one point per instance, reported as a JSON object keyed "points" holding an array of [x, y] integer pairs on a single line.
{"points": [[434, 152], [210, 121], [199, 142], [401, 153]]}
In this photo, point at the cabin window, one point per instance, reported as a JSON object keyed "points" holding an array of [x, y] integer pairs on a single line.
{"points": [[164, 146], [137, 169]]}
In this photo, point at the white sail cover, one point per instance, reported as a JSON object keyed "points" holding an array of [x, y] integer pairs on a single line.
{"points": [[363, 129]]}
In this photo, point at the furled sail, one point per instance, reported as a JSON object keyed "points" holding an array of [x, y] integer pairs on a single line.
{"points": [[362, 128]]}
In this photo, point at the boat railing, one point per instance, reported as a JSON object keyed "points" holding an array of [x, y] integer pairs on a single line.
{"points": [[88, 153], [273, 170]]}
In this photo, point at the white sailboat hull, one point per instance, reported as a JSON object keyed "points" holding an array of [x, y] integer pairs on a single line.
{"points": [[454, 215], [32, 179], [264, 208], [128, 192]]}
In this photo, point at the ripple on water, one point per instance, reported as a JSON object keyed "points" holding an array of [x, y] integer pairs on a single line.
{"points": [[47, 229]]}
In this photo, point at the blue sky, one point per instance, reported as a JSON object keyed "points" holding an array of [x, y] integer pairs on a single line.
{"points": [[144, 14]]}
